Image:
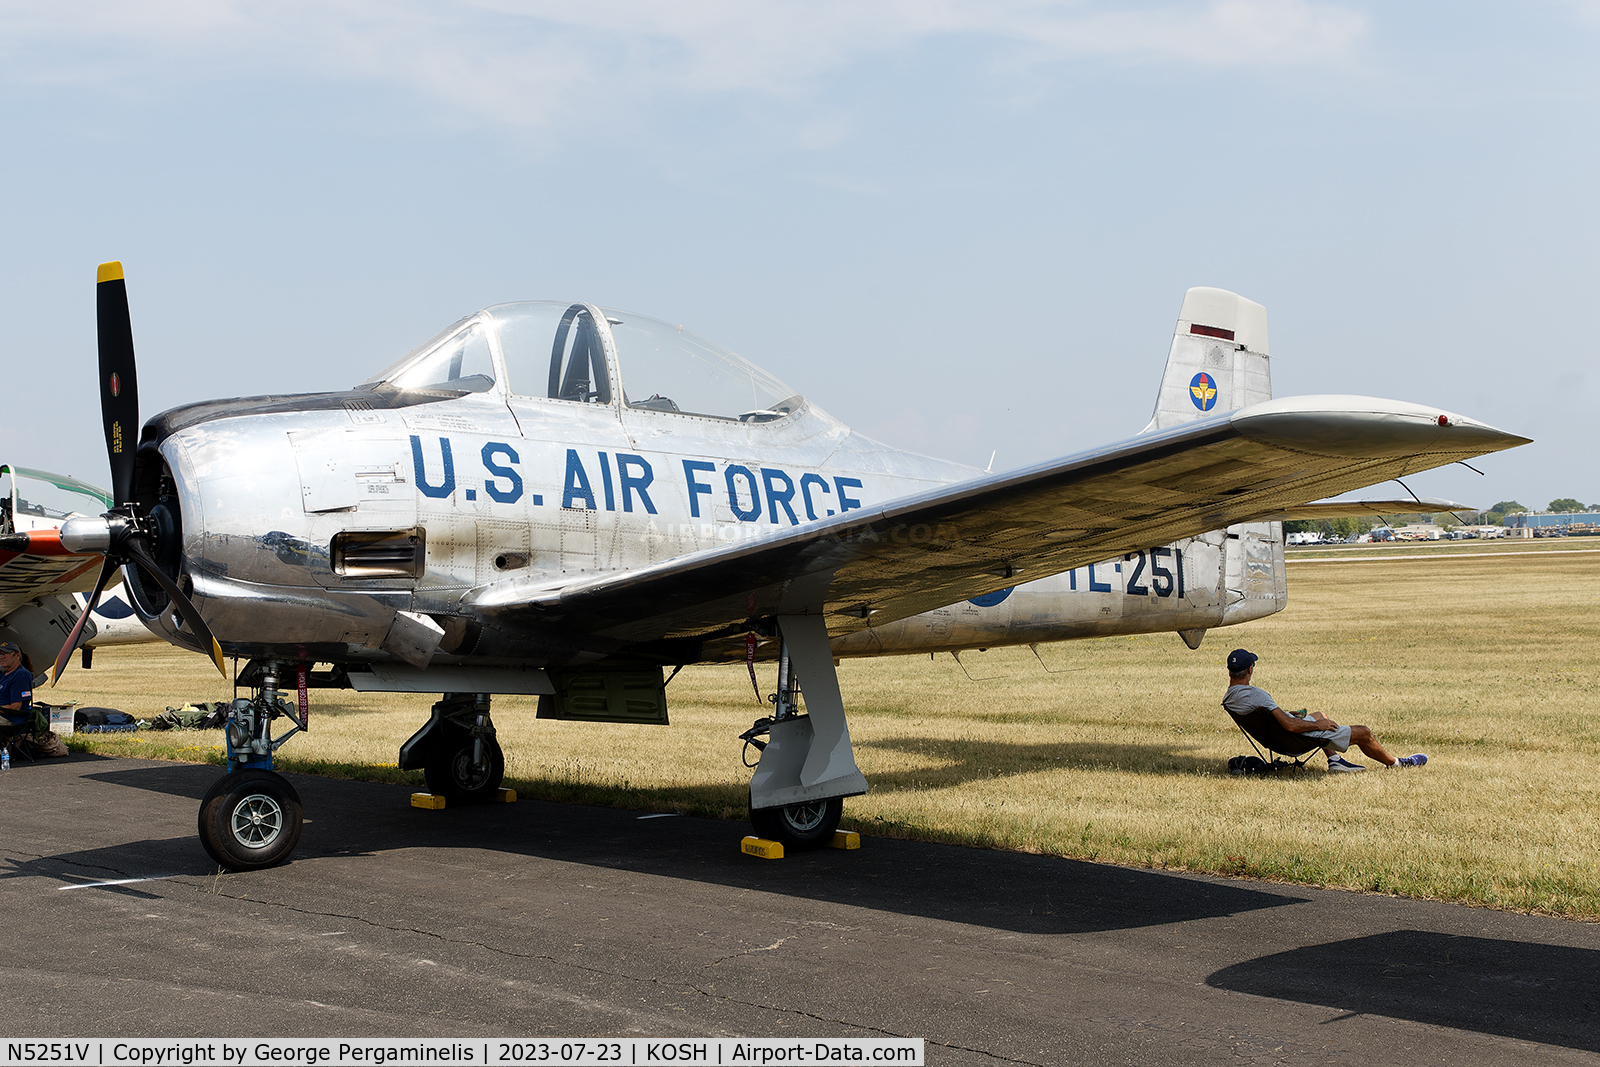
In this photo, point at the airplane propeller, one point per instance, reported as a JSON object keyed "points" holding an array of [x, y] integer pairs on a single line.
{"points": [[123, 533]]}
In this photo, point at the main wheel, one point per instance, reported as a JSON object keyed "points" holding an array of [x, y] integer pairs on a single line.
{"points": [[451, 772], [250, 819], [799, 826]]}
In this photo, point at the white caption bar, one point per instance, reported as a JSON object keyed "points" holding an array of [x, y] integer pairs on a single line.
{"points": [[498, 1052]]}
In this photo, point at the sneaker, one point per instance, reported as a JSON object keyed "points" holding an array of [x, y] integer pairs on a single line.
{"points": [[1410, 761], [1340, 765]]}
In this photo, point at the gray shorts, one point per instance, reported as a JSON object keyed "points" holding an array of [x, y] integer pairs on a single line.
{"points": [[1338, 739]]}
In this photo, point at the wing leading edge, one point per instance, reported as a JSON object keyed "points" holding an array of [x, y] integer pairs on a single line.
{"points": [[922, 552]]}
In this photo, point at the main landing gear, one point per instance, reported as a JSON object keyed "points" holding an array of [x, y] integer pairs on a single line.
{"points": [[251, 818], [457, 751], [807, 766], [809, 824]]}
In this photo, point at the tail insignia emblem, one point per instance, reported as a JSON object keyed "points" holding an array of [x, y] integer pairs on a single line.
{"points": [[1203, 391]]}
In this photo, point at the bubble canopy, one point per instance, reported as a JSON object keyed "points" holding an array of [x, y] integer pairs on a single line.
{"points": [[559, 351]]}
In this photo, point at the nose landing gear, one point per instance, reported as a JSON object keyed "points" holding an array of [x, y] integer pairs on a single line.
{"points": [[251, 818]]}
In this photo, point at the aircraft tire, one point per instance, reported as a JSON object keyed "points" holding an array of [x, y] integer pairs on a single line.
{"points": [[250, 819], [798, 827], [450, 773]]}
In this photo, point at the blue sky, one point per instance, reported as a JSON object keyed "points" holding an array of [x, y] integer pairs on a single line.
{"points": [[962, 227]]}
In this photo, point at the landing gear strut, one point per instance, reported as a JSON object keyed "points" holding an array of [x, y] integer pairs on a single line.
{"points": [[807, 766], [457, 751], [251, 818]]}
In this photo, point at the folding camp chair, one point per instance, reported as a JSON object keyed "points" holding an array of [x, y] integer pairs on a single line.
{"points": [[11, 733], [1265, 732]]}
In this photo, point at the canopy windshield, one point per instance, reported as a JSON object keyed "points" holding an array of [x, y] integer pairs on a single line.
{"points": [[667, 368], [557, 351], [455, 360]]}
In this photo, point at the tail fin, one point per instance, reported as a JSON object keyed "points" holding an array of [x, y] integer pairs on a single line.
{"points": [[1218, 360]]}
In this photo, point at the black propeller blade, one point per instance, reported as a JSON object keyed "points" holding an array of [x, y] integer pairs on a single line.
{"points": [[76, 635], [135, 550], [119, 378], [121, 533]]}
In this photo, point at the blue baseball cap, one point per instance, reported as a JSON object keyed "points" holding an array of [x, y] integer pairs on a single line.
{"points": [[1240, 661]]}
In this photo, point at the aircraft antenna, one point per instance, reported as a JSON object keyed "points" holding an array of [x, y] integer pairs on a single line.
{"points": [[986, 678], [1047, 668]]}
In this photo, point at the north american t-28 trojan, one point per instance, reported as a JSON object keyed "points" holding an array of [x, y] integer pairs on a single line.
{"points": [[565, 500]]}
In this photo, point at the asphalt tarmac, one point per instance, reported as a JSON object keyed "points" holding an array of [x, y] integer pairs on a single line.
{"points": [[539, 919]]}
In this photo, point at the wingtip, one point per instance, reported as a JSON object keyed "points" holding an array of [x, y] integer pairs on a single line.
{"points": [[1363, 426]]}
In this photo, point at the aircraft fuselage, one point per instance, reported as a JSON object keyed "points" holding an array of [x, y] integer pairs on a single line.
{"points": [[284, 516]]}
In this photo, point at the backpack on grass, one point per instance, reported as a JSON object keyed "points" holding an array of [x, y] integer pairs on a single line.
{"points": [[103, 721], [1253, 766]]}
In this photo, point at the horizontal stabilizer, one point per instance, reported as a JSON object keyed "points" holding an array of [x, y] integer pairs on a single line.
{"points": [[1317, 510]]}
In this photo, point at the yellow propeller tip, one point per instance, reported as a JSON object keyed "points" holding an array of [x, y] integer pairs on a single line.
{"points": [[109, 272], [216, 657]]}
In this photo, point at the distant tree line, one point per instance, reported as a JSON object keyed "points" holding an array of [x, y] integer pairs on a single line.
{"points": [[1511, 507], [1338, 529]]}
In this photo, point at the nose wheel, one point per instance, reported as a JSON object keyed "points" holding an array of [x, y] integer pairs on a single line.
{"points": [[250, 819]]}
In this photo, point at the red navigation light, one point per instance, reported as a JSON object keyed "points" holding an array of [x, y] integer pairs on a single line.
{"points": [[1444, 420]]}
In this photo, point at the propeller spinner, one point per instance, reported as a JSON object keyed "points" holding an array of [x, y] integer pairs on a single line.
{"points": [[123, 533]]}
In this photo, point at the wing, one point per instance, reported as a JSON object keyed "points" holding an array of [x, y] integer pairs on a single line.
{"points": [[922, 552], [34, 564]]}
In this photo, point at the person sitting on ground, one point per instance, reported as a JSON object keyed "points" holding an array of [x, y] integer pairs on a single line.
{"points": [[1243, 698], [16, 686]]}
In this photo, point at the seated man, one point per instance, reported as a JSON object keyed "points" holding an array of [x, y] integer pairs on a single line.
{"points": [[1243, 698], [16, 686]]}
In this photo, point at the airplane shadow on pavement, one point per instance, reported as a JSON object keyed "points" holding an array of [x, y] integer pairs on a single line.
{"points": [[958, 760], [1520, 990], [1002, 890], [1515, 989]]}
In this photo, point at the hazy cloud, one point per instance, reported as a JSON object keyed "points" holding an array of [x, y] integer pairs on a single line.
{"points": [[534, 62]]}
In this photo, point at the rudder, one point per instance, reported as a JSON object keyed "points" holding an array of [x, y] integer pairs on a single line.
{"points": [[1218, 361]]}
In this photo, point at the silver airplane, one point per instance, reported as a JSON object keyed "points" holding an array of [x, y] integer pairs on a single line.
{"points": [[564, 500]]}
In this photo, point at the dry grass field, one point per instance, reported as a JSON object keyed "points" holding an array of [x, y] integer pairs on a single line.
{"points": [[1488, 663]]}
